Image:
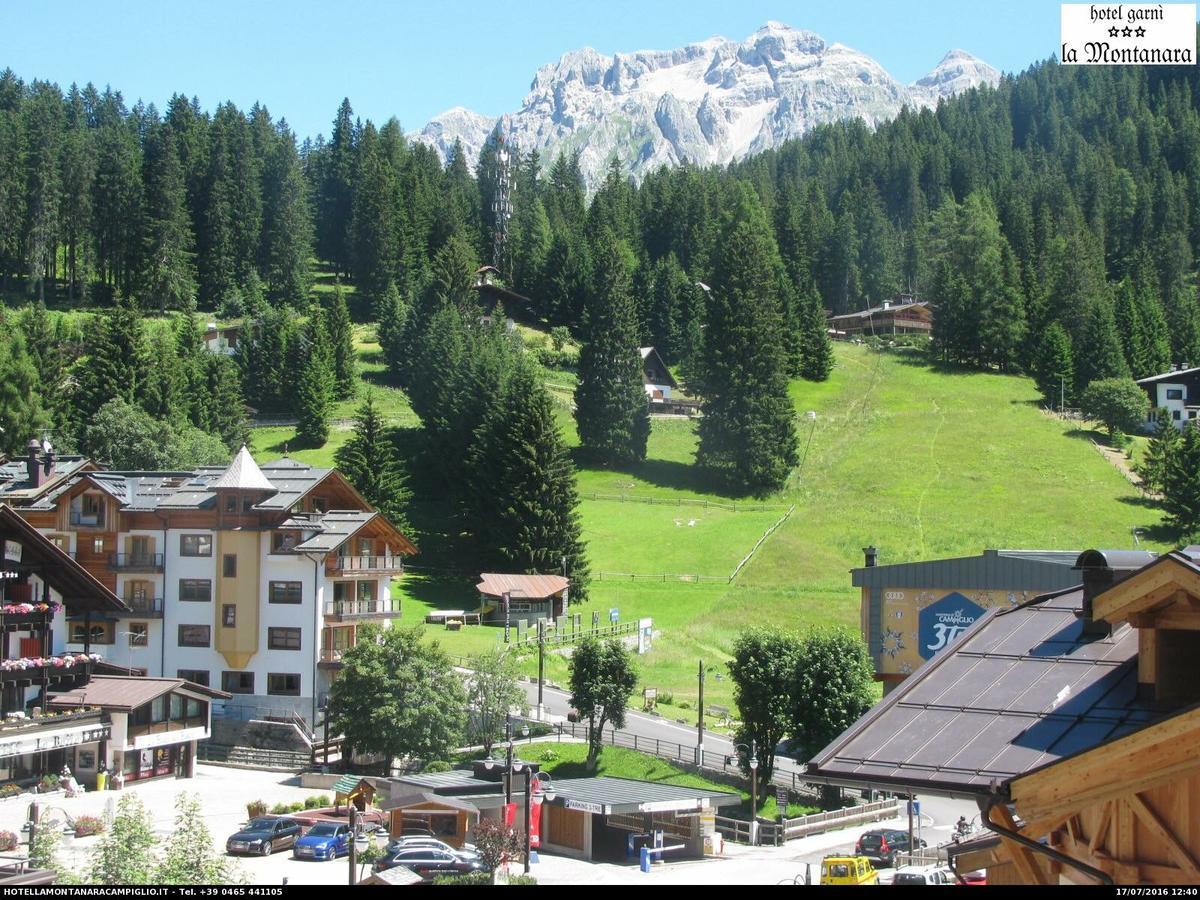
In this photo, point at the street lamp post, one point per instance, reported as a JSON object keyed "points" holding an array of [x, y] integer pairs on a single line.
{"points": [[700, 719], [753, 765], [542, 659], [354, 838]]}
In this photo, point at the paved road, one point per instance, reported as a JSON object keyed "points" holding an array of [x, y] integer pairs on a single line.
{"points": [[937, 813]]}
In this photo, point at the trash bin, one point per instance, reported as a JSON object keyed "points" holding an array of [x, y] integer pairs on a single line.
{"points": [[101, 781]]}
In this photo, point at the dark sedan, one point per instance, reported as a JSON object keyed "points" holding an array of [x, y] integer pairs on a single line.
{"points": [[264, 836], [429, 862]]}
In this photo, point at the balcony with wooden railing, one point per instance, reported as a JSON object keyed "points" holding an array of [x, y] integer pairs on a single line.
{"points": [[346, 610], [331, 658], [136, 562], [144, 607], [364, 565]]}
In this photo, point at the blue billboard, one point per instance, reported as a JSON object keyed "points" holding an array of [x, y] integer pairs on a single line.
{"points": [[941, 622]]}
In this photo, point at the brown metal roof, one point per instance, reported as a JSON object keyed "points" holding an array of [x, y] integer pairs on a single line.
{"points": [[527, 587], [115, 692], [1021, 689], [416, 799]]}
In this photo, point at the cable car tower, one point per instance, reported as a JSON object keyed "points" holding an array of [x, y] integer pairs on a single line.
{"points": [[502, 207]]}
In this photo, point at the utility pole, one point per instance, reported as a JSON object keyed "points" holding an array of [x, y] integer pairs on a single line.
{"points": [[353, 856], [700, 719], [541, 666]]}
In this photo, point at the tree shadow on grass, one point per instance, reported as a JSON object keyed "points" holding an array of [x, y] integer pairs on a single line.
{"points": [[1087, 434], [1141, 501], [444, 592], [664, 473], [1162, 533]]}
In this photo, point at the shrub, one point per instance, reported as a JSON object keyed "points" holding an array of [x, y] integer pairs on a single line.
{"points": [[318, 801], [666, 697], [281, 809], [48, 783], [559, 335], [548, 755], [85, 826], [437, 765], [295, 807], [556, 359], [8, 841], [470, 878], [256, 808], [684, 704]]}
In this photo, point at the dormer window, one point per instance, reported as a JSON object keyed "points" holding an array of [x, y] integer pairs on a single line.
{"points": [[320, 505], [283, 541]]}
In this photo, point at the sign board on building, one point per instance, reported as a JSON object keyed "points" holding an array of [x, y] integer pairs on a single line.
{"points": [[54, 740], [645, 635], [668, 805], [586, 806], [12, 551], [917, 623], [161, 739], [614, 614]]}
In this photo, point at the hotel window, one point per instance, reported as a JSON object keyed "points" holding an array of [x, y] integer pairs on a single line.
{"points": [[229, 565], [286, 684], [229, 616], [1174, 393], [284, 592], [237, 682], [283, 541], [61, 541], [139, 634], [98, 546], [194, 635], [91, 507], [197, 676], [231, 501], [366, 591], [283, 638], [247, 504], [320, 505], [99, 632], [195, 545], [195, 590]]}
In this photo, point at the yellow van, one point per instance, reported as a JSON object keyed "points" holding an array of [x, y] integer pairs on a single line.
{"points": [[848, 870]]}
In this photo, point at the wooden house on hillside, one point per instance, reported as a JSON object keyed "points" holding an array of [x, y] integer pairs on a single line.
{"points": [[901, 315]]}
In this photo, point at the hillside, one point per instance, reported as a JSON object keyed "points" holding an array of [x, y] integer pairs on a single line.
{"points": [[919, 462]]}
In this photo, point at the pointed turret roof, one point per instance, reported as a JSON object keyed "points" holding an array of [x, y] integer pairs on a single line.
{"points": [[243, 474]]}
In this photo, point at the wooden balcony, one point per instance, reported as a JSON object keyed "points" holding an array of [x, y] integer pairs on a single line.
{"points": [[351, 610], [81, 519], [40, 669], [365, 565], [143, 607], [136, 562]]}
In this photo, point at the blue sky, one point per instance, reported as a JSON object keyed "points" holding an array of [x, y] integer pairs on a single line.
{"points": [[415, 59]]}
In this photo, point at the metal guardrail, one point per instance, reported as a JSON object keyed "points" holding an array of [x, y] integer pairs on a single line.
{"points": [[556, 637]]}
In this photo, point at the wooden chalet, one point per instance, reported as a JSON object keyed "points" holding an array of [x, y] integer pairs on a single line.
{"points": [[529, 597], [902, 315], [1073, 720]]}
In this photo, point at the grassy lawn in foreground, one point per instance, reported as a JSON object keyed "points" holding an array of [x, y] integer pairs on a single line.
{"points": [[568, 760]]}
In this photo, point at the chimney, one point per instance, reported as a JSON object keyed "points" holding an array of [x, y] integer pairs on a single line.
{"points": [[47, 461], [33, 466], [872, 557], [1098, 576]]}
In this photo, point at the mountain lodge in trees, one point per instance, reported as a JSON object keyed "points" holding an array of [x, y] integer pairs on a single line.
{"points": [[901, 315]]}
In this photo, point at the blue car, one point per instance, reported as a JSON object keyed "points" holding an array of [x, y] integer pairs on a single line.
{"points": [[325, 840]]}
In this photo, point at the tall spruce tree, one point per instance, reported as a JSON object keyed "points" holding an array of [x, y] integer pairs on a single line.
{"points": [[341, 342], [816, 349], [1098, 354], [22, 413], [315, 385], [611, 411], [114, 361], [747, 434], [286, 242], [169, 275], [525, 513], [1054, 366], [391, 312], [368, 459], [1181, 485]]}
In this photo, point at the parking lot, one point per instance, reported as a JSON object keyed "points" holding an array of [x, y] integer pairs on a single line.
{"points": [[224, 793]]}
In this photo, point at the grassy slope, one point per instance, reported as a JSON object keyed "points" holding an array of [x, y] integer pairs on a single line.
{"points": [[921, 463]]}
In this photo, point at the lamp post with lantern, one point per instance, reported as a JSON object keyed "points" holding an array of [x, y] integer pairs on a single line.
{"points": [[753, 764], [357, 842]]}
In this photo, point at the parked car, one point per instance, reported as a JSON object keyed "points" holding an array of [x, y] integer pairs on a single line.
{"points": [[848, 870], [429, 862], [974, 878], [881, 846], [264, 836], [924, 875], [325, 840], [416, 841]]}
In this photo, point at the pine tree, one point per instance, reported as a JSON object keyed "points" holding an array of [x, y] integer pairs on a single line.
{"points": [[223, 405], [611, 410], [438, 361], [337, 193], [373, 227], [816, 349], [391, 313], [1181, 485], [22, 413], [747, 435], [163, 395], [168, 277], [1098, 354], [341, 340], [1159, 451], [114, 363], [525, 502], [315, 386], [287, 223], [368, 459], [1054, 366]]}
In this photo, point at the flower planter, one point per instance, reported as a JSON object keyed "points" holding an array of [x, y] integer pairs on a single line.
{"points": [[18, 593]]}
